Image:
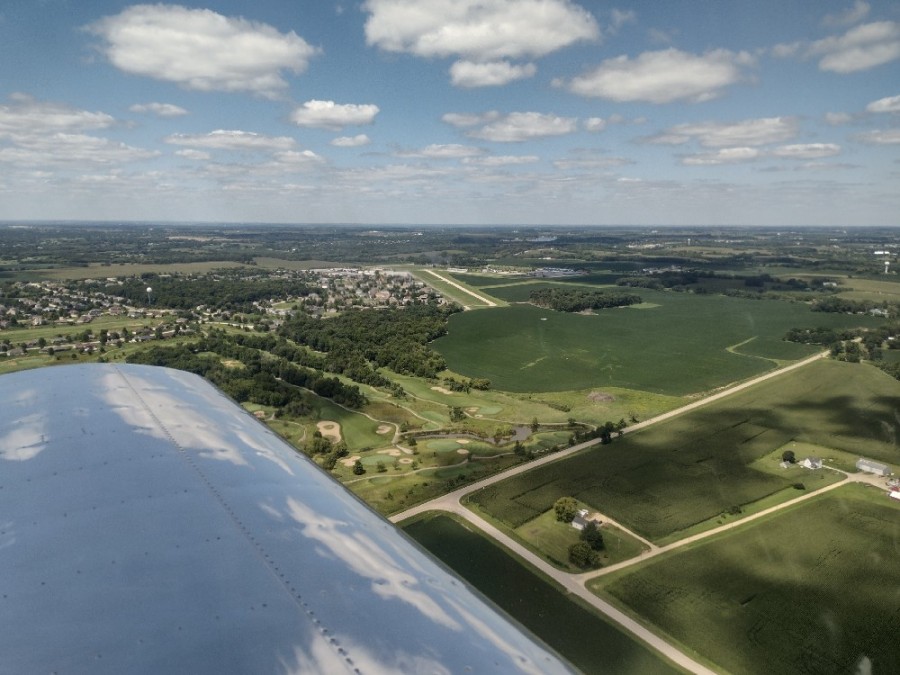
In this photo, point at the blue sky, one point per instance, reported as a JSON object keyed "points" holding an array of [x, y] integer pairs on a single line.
{"points": [[538, 112]]}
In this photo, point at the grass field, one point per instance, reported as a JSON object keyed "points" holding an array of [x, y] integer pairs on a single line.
{"points": [[98, 271], [686, 338], [810, 590], [579, 634], [112, 323], [871, 289], [671, 478], [551, 538], [451, 292]]}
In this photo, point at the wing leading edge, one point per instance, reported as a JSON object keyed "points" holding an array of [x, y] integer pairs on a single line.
{"points": [[148, 524]]}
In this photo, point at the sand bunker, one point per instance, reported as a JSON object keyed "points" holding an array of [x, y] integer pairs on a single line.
{"points": [[350, 461], [442, 390], [406, 460], [463, 451], [393, 452], [383, 429], [463, 441], [330, 430]]}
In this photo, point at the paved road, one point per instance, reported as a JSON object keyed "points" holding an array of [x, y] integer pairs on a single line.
{"points": [[575, 583], [486, 301]]}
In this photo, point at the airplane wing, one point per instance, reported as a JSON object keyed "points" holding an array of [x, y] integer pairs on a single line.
{"points": [[150, 525]]}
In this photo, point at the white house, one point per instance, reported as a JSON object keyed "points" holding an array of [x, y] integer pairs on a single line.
{"points": [[811, 463], [871, 466], [580, 521]]}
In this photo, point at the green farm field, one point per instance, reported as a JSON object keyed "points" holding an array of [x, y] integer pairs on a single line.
{"points": [[812, 589], [579, 634], [685, 345], [870, 289], [665, 481], [97, 271]]}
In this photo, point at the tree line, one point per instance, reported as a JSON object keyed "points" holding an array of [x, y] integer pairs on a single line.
{"points": [[579, 300], [392, 338], [262, 378]]}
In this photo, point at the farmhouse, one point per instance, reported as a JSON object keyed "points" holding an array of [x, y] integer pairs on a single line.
{"points": [[580, 521], [871, 466], [811, 463], [894, 494]]}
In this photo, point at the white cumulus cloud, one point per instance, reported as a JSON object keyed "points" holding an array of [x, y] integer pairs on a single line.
{"points": [[858, 12], [753, 132], [350, 141], [807, 150], [483, 30], [662, 76], [189, 153], [331, 115], [494, 73], [722, 156], [159, 109], [880, 137], [484, 34], [465, 120], [200, 49], [523, 126], [227, 139], [501, 160], [26, 116], [444, 151], [860, 48], [891, 104], [594, 124]]}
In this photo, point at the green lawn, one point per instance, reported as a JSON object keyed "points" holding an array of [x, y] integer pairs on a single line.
{"points": [[810, 590], [577, 632], [679, 347], [552, 538], [681, 475]]}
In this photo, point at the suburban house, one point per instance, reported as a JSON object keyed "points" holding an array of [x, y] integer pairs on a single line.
{"points": [[580, 521], [811, 463], [871, 466]]}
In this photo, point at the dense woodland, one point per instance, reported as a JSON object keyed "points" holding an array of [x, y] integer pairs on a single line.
{"points": [[259, 376], [228, 290], [579, 300], [391, 338]]}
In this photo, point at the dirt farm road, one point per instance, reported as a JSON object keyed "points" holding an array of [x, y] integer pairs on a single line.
{"points": [[575, 583]]}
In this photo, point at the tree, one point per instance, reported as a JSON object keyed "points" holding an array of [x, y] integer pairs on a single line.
{"points": [[535, 425], [358, 468], [788, 456], [582, 555], [592, 537], [566, 508]]}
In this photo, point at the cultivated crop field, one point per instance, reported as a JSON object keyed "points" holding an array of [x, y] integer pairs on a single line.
{"points": [[691, 469], [810, 590], [579, 634], [687, 344]]}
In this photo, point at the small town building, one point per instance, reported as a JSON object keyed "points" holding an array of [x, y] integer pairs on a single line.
{"points": [[580, 521], [871, 466]]}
